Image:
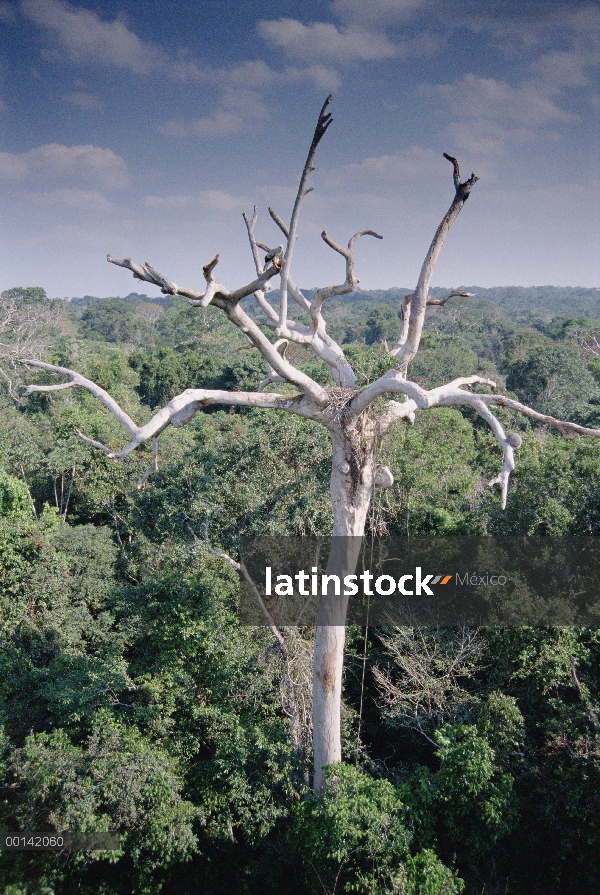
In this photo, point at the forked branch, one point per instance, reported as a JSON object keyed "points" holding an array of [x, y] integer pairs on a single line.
{"points": [[413, 311], [229, 302], [454, 394], [179, 411], [405, 315], [350, 283], [148, 274]]}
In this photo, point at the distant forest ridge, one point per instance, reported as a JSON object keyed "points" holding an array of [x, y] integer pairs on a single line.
{"points": [[527, 303]]}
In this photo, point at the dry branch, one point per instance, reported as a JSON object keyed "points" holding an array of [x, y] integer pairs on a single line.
{"points": [[350, 283], [323, 123], [413, 311], [177, 412]]}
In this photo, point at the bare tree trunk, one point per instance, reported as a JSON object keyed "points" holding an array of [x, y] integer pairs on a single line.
{"points": [[352, 481]]}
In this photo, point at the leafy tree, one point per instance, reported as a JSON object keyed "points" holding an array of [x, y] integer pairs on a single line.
{"points": [[166, 373], [114, 320], [15, 501], [354, 839], [558, 381]]}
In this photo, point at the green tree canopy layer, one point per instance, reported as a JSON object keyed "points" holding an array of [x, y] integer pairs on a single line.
{"points": [[131, 698]]}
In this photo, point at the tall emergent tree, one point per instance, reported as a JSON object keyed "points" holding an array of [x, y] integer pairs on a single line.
{"points": [[356, 418]]}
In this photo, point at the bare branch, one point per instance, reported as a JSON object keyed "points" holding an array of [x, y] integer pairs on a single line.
{"points": [[283, 227], [96, 444], [322, 344], [78, 379], [25, 329], [390, 382], [243, 571], [153, 466], [323, 123], [567, 428], [350, 283], [507, 449], [253, 244], [406, 350], [454, 394], [272, 376], [590, 343], [179, 411], [147, 273], [456, 293], [30, 389], [405, 315], [284, 368], [456, 171], [298, 295], [229, 303]]}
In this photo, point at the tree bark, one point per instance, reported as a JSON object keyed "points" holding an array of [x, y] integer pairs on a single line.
{"points": [[352, 482]]}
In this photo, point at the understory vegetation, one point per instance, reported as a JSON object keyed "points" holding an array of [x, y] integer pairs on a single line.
{"points": [[131, 698]]}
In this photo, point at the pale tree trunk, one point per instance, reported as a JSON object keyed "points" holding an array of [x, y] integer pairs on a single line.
{"points": [[352, 481]]}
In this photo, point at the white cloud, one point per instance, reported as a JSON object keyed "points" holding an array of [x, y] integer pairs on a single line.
{"points": [[89, 164], [245, 101], [324, 41], [481, 137], [12, 166], [412, 163], [214, 200], [240, 104], [321, 76], [487, 98], [253, 73], [81, 99], [215, 125], [74, 199], [85, 37]]}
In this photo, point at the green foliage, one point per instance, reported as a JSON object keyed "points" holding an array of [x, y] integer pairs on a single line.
{"points": [[434, 465], [555, 380], [26, 295], [554, 489], [212, 686], [354, 839], [254, 474], [166, 373], [131, 698], [442, 358], [15, 502], [61, 646], [369, 362], [116, 780], [115, 321], [468, 800], [594, 367], [381, 324], [502, 723]]}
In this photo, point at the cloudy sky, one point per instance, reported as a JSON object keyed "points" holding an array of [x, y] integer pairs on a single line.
{"points": [[144, 129]]}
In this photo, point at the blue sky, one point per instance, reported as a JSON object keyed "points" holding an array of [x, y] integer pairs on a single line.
{"points": [[144, 129]]}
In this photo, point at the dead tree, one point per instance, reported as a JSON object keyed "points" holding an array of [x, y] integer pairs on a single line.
{"points": [[356, 418]]}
